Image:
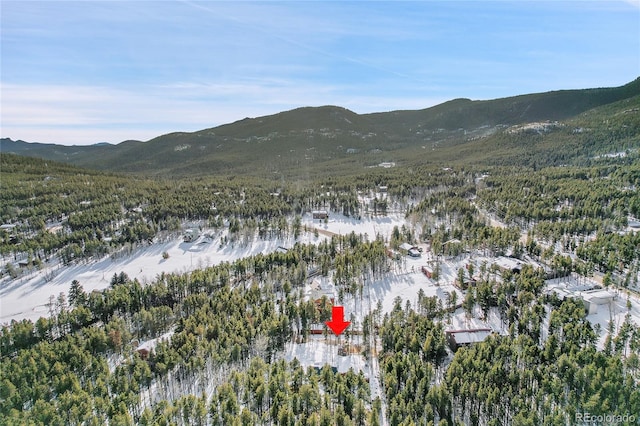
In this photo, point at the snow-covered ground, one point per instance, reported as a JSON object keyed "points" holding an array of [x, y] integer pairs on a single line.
{"points": [[342, 225], [317, 352], [27, 297]]}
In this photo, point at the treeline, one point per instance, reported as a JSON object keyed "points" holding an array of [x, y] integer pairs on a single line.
{"points": [[562, 193], [535, 374]]}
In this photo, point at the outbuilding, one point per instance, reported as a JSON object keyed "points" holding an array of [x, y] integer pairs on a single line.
{"points": [[427, 271]]}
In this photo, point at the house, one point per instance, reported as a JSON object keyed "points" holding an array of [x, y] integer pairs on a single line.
{"points": [[465, 284], [594, 298], [320, 214], [508, 264], [144, 349], [459, 338], [405, 247], [318, 368], [316, 291], [190, 235], [409, 249]]}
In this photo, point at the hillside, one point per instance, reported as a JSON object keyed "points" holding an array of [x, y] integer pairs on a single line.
{"points": [[312, 141]]}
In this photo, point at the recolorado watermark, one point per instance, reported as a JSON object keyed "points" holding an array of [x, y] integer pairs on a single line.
{"points": [[605, 419]]}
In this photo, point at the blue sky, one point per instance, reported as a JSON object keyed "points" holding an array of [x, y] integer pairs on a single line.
{"points": [[85, 72]]}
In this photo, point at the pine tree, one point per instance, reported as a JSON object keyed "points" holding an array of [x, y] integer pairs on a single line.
{"points": [[77, 295]]}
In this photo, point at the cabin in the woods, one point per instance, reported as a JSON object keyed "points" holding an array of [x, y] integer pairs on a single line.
{"points": [[510, 264], [596, 297], [409, 250], [144, 349], [190, 235], [459, 338], [320, 214], [465, 284]]}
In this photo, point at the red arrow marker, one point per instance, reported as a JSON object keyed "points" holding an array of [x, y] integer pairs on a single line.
{"points": [[337, 323]]}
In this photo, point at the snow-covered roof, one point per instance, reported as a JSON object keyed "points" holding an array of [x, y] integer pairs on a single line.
{"points": [[598, 297], [452, 241], [507, 263], [465, 337], [150, 345]]}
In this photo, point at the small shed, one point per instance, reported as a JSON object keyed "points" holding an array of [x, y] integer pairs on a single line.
{"points": [[465, 284], [427, 271]]}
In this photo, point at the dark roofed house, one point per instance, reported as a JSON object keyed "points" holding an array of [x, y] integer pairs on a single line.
{"points": [[320, 214], [465, 284], [458, 338]]}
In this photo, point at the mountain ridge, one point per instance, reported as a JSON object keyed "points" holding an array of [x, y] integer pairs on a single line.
{"points": [[331, 136]]}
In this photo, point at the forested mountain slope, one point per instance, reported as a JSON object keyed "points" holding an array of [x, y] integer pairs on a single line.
{"points": [[536, 129]]}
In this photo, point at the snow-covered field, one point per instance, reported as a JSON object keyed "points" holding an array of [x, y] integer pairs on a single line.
{"points": [[27, 297], [342, 225]]}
